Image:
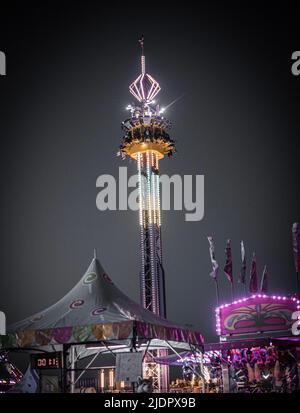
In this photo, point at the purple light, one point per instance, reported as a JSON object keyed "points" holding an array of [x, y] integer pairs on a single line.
{"points": [[252, 297]]}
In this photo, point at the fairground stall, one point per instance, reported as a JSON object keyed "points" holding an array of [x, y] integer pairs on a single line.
{"points": [[257, 351], [68, 340]]}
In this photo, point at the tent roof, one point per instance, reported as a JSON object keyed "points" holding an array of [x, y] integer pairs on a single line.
{"points": [[95, 309]]}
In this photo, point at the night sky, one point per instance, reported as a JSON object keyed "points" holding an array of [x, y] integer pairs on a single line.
{"points": [[69, 66]]}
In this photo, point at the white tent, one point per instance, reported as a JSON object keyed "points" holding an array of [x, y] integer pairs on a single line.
{"points": [[95, 310]]}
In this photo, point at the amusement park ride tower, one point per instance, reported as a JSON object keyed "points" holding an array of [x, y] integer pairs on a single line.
{"points": [[146, 141]]}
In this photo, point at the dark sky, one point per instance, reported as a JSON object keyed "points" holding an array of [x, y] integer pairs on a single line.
{"points": [[68, 70]]}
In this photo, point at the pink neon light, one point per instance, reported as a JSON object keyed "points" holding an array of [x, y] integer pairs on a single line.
{"points": [[274, 297]]}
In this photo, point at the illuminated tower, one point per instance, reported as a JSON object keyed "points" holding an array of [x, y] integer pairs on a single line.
{"points": [[146, 141]]}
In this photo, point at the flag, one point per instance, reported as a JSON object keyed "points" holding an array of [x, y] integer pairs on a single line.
{"points": [[215, 265], [253, 276], [228, 263], [296, 245], [242, 279], [264, 281]]}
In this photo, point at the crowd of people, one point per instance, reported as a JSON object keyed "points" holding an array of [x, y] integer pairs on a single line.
{"points": [[259, 369]]}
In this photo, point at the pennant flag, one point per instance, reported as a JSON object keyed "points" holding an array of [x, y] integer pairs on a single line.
{"points": [[264, 281], [253, 276], [228, 264], [215, 265], [242, 278], [296, 245]]}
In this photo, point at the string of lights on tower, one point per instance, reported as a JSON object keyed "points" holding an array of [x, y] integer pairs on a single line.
{"points": [[146, 140]]}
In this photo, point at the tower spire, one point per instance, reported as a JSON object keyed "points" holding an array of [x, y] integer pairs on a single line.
{"points": [[145, 87], [143, 62]]}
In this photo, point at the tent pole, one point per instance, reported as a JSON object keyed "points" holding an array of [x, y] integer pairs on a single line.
{"points": [[202, 372], [65, 370], [72, 364], [87, 366], [173, 349]]}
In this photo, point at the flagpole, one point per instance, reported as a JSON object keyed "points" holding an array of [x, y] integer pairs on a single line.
{"points": [[217, 291], [232, 292], [296, 252]]}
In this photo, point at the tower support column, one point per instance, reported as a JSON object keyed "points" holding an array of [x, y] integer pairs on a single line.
{"points": [[152, 275], [146, 140]]}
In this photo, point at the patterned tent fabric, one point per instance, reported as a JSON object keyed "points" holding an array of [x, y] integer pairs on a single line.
{"points": [[95, 309]]}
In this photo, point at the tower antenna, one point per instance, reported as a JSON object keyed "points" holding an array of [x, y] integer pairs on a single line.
{"points": [[145, 87], [143, 65]]}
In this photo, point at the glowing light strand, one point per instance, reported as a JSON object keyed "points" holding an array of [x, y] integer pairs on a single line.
{"points": [[245, 299]]}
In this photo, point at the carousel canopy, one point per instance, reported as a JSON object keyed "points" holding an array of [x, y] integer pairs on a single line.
{"points": [[95, 310]]}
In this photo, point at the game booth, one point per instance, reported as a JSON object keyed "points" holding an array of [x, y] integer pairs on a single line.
{"points": [[257, 351]]}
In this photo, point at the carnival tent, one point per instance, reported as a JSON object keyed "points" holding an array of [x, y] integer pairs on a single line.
{"points": [[95, 310]]}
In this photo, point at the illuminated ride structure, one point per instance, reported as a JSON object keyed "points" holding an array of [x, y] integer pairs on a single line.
{"points": [[146, 140]]}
